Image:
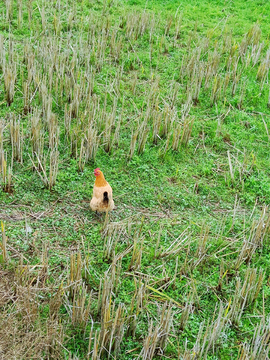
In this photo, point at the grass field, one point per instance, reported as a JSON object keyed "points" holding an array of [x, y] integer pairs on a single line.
{"points": [[170, 99]]}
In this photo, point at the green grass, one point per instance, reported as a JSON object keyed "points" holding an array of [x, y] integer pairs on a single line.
{"points": [[160, 195]]}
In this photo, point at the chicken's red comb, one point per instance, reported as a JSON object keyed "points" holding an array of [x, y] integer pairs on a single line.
{"points": [[97, 169]]}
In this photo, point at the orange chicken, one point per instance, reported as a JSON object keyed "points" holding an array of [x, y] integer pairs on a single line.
{"points": [[102, 199]]}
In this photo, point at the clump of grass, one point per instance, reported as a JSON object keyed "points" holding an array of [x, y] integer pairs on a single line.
{"points": [[157, 337], [143, 134], [112, 328], [177, 245], [25, 329], [16, 135], [185, 313], [92, 143], [2, 128], [105, 290], [48, 181], [20, 13], [3, 244], [7, 183], [37, 134], [137, 24], [157, 118], [259, 347], [139, 300], [257, 236], [75, 274], [206, 339], [112, 236], [81, 306], [239, 169], [216, 89], [174, 92], [67, 121], [201, 249], [54, 162], [136, 258], [55, 302], [246, 294], [176, 137], [9, 10], [133, 141], [82, 157], [187, 129], [53, 132], [109, 123], [221, 274], [10, 76], [26, 97], [116, 45], [2, 53]]}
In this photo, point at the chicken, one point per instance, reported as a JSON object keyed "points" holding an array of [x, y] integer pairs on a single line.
{"points": [[102, 199]]}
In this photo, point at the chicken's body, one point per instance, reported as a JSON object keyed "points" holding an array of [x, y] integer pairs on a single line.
{"points": [[102, 199]]}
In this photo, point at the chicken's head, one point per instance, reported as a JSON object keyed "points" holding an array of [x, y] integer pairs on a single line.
{"points": [[97, 172]]}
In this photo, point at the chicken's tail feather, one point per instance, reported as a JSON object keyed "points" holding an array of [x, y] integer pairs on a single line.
{"points": [[105, 197]]}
